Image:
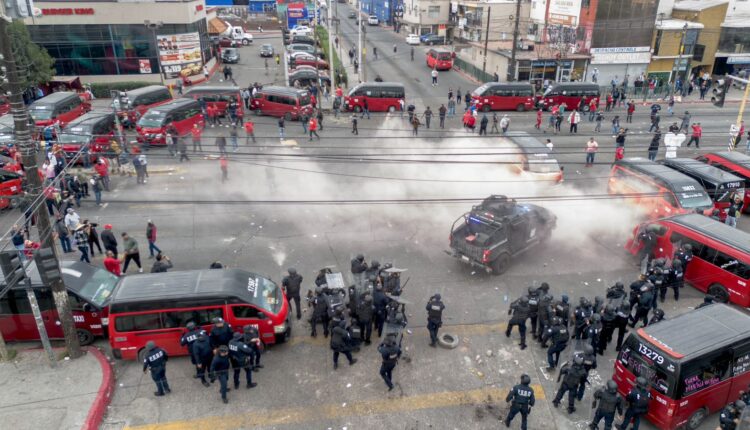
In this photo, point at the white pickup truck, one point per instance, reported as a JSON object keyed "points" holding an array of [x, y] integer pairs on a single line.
{"points": [[238, 35]]}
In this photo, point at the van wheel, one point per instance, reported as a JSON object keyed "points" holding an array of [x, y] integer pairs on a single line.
{"points": [[245, 42], [500, 265], [520, 108], [719, 292], [287, 116], [84, 337], [258, 112], [696, 419], [357, 109], [391, 109], [486, 108], [142, 355]]}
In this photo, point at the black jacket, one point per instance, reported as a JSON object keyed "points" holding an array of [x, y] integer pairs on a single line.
{"points": [[108, 239]]}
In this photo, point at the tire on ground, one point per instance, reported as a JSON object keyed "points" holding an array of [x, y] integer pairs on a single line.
{"points": [[448, 340]]}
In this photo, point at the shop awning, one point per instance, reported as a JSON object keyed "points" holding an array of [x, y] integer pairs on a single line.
{"points": [[216, 26]]}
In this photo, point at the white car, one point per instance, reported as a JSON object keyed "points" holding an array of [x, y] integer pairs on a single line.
{"points": [[301, 31], [373, 20], [412, 39]]}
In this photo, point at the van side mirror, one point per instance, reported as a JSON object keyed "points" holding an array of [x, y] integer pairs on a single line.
{"points": [[87, 307]]}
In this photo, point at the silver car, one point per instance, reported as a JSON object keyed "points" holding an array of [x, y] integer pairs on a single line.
{"points": [[266, 50]]}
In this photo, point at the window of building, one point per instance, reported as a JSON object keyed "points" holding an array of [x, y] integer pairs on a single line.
{"points": [[657, 41], [433, 11]]}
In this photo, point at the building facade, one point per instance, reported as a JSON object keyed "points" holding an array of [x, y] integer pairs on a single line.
{"points": [[427, 17], [110, 40]]}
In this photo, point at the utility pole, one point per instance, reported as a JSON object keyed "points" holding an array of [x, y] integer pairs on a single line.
{"points": [[486, 40], [678, 60], [743, 103], [28, 151], [512, 68], [332, 73], [364, 55], [359, 40]]}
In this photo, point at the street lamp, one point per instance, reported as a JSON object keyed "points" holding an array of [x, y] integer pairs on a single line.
{"points": [[153, 26]]}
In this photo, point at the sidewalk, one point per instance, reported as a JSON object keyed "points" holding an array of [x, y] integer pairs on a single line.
{"points": [[74, 395]]}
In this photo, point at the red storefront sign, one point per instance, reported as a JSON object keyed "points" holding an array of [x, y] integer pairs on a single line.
{"points": [[68, 11]]}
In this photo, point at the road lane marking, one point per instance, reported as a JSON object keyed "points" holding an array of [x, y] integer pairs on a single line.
{"points": [[445, 399], [459, 330]]}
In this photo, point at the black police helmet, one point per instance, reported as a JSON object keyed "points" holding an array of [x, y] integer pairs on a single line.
{"points": [[641, 382], [375, 263], [677, 263], [150, 345], [739, 404], [596, 317], [609, 308], [437, 296], [588, 349], [578, 360], [190, 325], [598, 299], [619, 285], [360, 257], [292, 271], [525, 379], [556, 320], [223, 349], [687, 247], [236, 335], [532, 290], [659, 312], [612, 386], [564, 298], [544, 287], [524, 300]]}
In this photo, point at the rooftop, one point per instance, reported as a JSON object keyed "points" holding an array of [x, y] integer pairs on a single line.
{"points": [[698, 5], [676, 24], [736, 21]]}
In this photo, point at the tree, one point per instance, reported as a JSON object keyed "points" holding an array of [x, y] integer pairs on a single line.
{"points": [[32, 60]]}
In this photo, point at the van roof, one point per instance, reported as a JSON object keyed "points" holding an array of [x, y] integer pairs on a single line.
{"points": [[702, 170], [506, 84], [283, 90], [144, 90], [576, 84], [88, 118], [734, 157], [379, 84], [675, 180], [174, 104], [75, 274], [212, 88], [710, 328], [717, 230], [530, 145], [210, 283], [55, 98]]}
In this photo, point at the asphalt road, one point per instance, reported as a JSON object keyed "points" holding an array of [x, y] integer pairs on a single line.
{"points": [[302, 224]]}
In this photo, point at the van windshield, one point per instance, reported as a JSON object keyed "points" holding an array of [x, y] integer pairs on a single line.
{"points": [[152, 119], [40, 113], [694, 199], [481, 90], [99, 287], [444, 56], [266, 294], [543, 165], [304, 100], [641, 359]]}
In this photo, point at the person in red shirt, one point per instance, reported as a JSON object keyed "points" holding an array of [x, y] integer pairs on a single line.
{"points": [[313, 127], [631, 109], [538, 119], [196, 132], [471, 122], [102, 169], [313, 101], [224, 164], [608, 107], [29, 247], [339, 91], [738, 139], [695, 136], [249, 131], [112, 264], [592, 109]]}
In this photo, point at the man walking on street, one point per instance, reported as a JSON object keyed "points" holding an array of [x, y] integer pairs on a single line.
{"points": [[354, 124], [108, 239], [131, 253], [249, 131], [574, 118], [365, 109], [695, 136], [434, 75], [313, 127], [151, 237], [281, 128], [441, 113], [196, 132], [427, 116], [591, 147], [483, 125]]}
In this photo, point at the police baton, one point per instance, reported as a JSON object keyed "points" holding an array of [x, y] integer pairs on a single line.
{"points": [[407, 281]]}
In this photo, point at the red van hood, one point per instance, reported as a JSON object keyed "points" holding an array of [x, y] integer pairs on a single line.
{"points": [[150, 130], [44, 122]]}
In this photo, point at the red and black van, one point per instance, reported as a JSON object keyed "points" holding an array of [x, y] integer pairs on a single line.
{"points": [[735, 163], [131, 105], [218, 97], [504, 96], [58, 108], [570, 93], [181, 114], [290, 103], [380, 96], [93, 130]]}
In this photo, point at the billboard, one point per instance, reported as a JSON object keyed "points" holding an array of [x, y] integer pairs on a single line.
{"points": [[180, 54], [564, 12]]}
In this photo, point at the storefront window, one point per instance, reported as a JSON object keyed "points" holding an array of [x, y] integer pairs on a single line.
{"points": [[624, 23], [734, 40]]}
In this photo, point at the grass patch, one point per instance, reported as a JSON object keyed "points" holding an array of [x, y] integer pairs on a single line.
{"points": [[322, 34]]}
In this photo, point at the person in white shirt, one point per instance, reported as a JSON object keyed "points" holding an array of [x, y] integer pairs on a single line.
{"points": [[72, 219], [591, 147]]}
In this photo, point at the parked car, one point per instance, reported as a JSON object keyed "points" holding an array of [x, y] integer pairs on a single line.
{"points": [[223, 41], [373, 20], [301, 30], [307, 40], [433, 39], [412, 39], [352, 14], [305, 59], [307, 77], [301, 47], [266, 50], [230, 55]]}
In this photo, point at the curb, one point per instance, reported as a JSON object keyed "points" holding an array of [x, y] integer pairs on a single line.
{"points": [[104, 395]]}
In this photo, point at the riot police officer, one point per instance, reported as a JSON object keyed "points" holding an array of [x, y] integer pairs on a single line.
{"points": [[251, 338], [659, 281], [340, 341], [598, 306], [156, 360], [392, 282], [221, 333], [365, 312], [573, 376], [589, 362], [390, 352], [291, 285], [373, 272], [645, 299], [546, 313], [562, 310], [594, 330], [220, 370], [621, 322], [609, 403], [609, 322], [533, 295], [657, 316], [730, 415], [521, 399], [638, 400], [685, 255], [635, 291], [320, 312], [520, 313], [240, 355], [558, 334], [359, 267], [202, 355], [582, 318], [434, 317], [616, 294], [189, 338], [676, 278], [708, 299], [380, 301]]}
